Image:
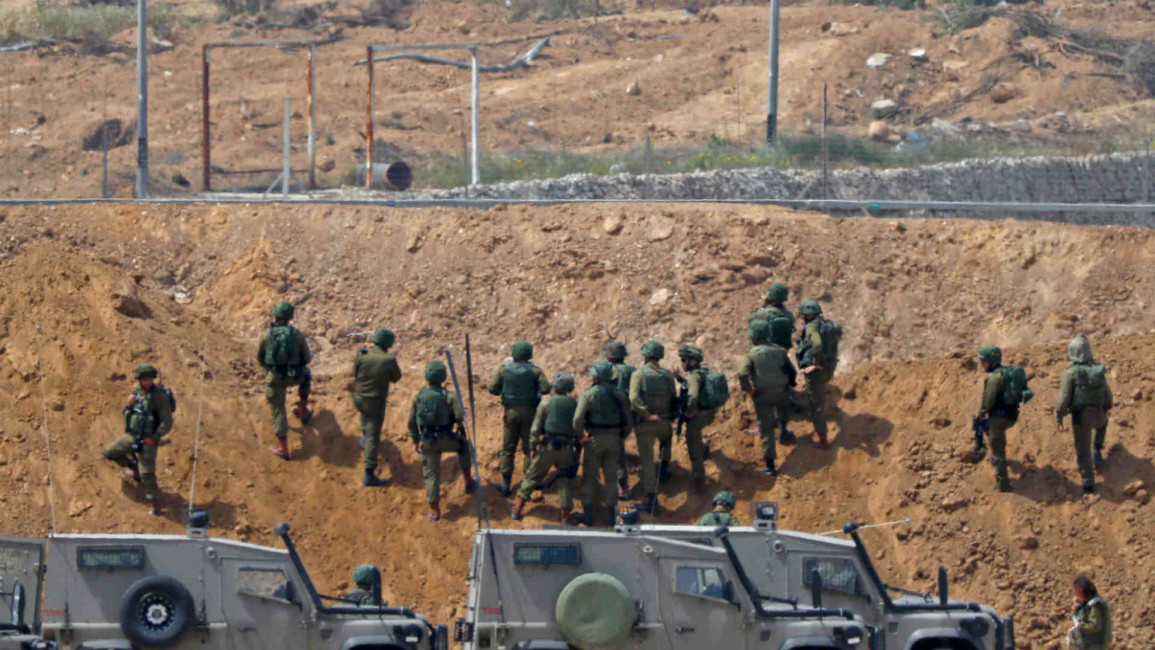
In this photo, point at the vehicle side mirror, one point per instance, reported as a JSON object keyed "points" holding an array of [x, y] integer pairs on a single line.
{"points": [[815, 589]]}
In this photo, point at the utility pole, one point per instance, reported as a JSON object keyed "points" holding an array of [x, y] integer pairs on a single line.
{"points": [[772, 79], [141, 99]]}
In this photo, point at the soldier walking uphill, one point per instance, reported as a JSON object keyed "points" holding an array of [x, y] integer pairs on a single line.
{"points": [[1092, 629], [697, 412], [374, 369], [766, 376], [652, 395], [622, 372], [553, 443], [147, 418], [520, 385], [1085, 394], [284, 355], [723, 512], [603, 416], [435, 421], [367, 578], [773, 308], [817, 357], [999, 409]]}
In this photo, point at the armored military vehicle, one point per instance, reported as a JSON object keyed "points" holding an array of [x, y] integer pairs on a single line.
{"points": [[693, 587], [125, 592]]}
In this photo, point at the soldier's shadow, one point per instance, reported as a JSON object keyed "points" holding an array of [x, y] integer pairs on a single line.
{"points": [[862, 431], [322, 437], [1045, 484], [175, 508]]}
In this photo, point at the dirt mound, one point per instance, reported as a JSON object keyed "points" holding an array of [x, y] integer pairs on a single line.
{"points": [[188, 288]]}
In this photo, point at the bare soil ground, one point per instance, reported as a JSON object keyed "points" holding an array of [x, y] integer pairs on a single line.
{"points": [[916, 299]]}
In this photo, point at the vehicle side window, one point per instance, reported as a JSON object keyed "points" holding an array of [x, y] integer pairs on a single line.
{"points": [[701, 581], [265, 583], [838, 574]]}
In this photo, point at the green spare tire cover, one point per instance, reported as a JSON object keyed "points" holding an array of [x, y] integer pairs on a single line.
{"points": [[595, 612]]}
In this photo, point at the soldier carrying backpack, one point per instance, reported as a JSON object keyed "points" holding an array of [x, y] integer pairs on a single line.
{"points": [[520, 384], [1085, 394], [283, 354], [554, 441], [1004, 390], [434, 426], [817, 358], [616, 354], [704, 391]]}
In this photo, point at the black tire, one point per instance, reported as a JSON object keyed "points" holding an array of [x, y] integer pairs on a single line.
{"points": [[156, 612]]}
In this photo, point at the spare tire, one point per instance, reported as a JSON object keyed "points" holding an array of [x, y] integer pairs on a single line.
{"points": [[156, 612], [595, 611]]}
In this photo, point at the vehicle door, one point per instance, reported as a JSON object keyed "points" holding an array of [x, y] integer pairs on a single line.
{"points": [[844, 585], [21, 570], [261, 605], [698, 605]]}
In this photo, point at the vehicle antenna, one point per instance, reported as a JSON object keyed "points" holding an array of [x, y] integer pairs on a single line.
{"points": [[482, 508], [888, 523], [472, 408], [44, 427], [192, 490]]}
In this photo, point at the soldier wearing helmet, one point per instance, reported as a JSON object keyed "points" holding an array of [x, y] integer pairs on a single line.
{"points": [[766, 376], [283, 354], [435, 420], [773, 309], [652, 396], [520, 384], [692, 376], [602, 420], [147, 418], [817, 355], [374, 370], [553, 441], [723, 512], [367, 578], [998, 415], [622, 372]]}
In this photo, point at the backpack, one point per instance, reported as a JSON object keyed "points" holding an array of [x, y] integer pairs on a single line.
{"points": [[831, 333], [1015, 389], [624, 374], [605, 410], [1090, 386], [559, 421], [171, 398], [658, 391], [281, 349], [433, 414], [519, 385], [715, 390]]}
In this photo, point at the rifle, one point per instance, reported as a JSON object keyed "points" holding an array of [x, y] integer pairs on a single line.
{"points": [[980, 427], [680, 408]]}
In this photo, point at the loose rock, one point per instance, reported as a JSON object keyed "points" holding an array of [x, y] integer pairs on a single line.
{"points": [[883, 108]]}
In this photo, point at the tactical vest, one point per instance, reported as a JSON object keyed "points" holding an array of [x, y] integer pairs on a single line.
{"points": [[1105, 635], [768, 361], [519, 385], [624, 373], [281, 350], [717, 518], [559, 420], [433, 415], [658, 392], [140, 419], [605, 411], [1090, 386]]}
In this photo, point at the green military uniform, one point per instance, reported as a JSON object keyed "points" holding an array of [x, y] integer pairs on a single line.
{"points": [[810, 353], [1085, 394], [716, 518], [554, 443], [520, 384], [652, 392], [696, 422], [365, 576], [279, 377], [623, 372], [433, 419], [773, 309], [374, 369], [1093, 627], [149, 417], [603, 415], [1001, 416], [362, 597], [767, 375]]}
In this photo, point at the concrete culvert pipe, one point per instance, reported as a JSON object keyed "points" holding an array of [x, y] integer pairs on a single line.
{"points": [[595, 612], [396, 176]]}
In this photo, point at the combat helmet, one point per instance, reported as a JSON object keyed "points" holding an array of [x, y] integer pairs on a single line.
{"points": [[653, 350], [725, 498], [384, 337], [602, 371], [436, 373], [522, 351], [283, 310], [616, 350], [364, 574], [810, 308], [145, 370], [758, 330], [562, 383], [991, 354], [777, 292], [690, 351]]}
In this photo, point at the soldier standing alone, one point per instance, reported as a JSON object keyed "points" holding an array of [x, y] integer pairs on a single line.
{"points": [[766, 376], [554, 444], [367, 578], [723, 512], [652, 395], [520, 384], [603, 414], [1093, 629], [434, 420], [284, 356], [697, 417], [147, 418], [817, 358], [622, 372], [1085, 394], [995, 410], [374, 369]]}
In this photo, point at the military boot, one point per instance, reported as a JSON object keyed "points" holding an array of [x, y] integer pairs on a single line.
{"points": [[154, 508], [132, 473], [624, 488], [303, 411], [370, 479], [470, 485], [434, 512], [1099, 460], [663, 472], [282, 448], [506, 486], [1088, 490], [770, 470], [822, 442], [516, 511], [785, 436]]}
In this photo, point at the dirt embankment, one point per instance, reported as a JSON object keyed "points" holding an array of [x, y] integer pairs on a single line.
{"points": [[915, 297]]}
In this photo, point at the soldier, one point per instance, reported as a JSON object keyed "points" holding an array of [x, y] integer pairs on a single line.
{"points": [[766, 376], [374, 369], [367, 594], [999, 415], [1092, 629], [1086, 395], [147, 418], [723, 512], [652, 395], [603, 416], [284, 356], [696, 418], [553, 442], [520, 385], [813, 350], [774, 307], [434, 422], [616, 354]]}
